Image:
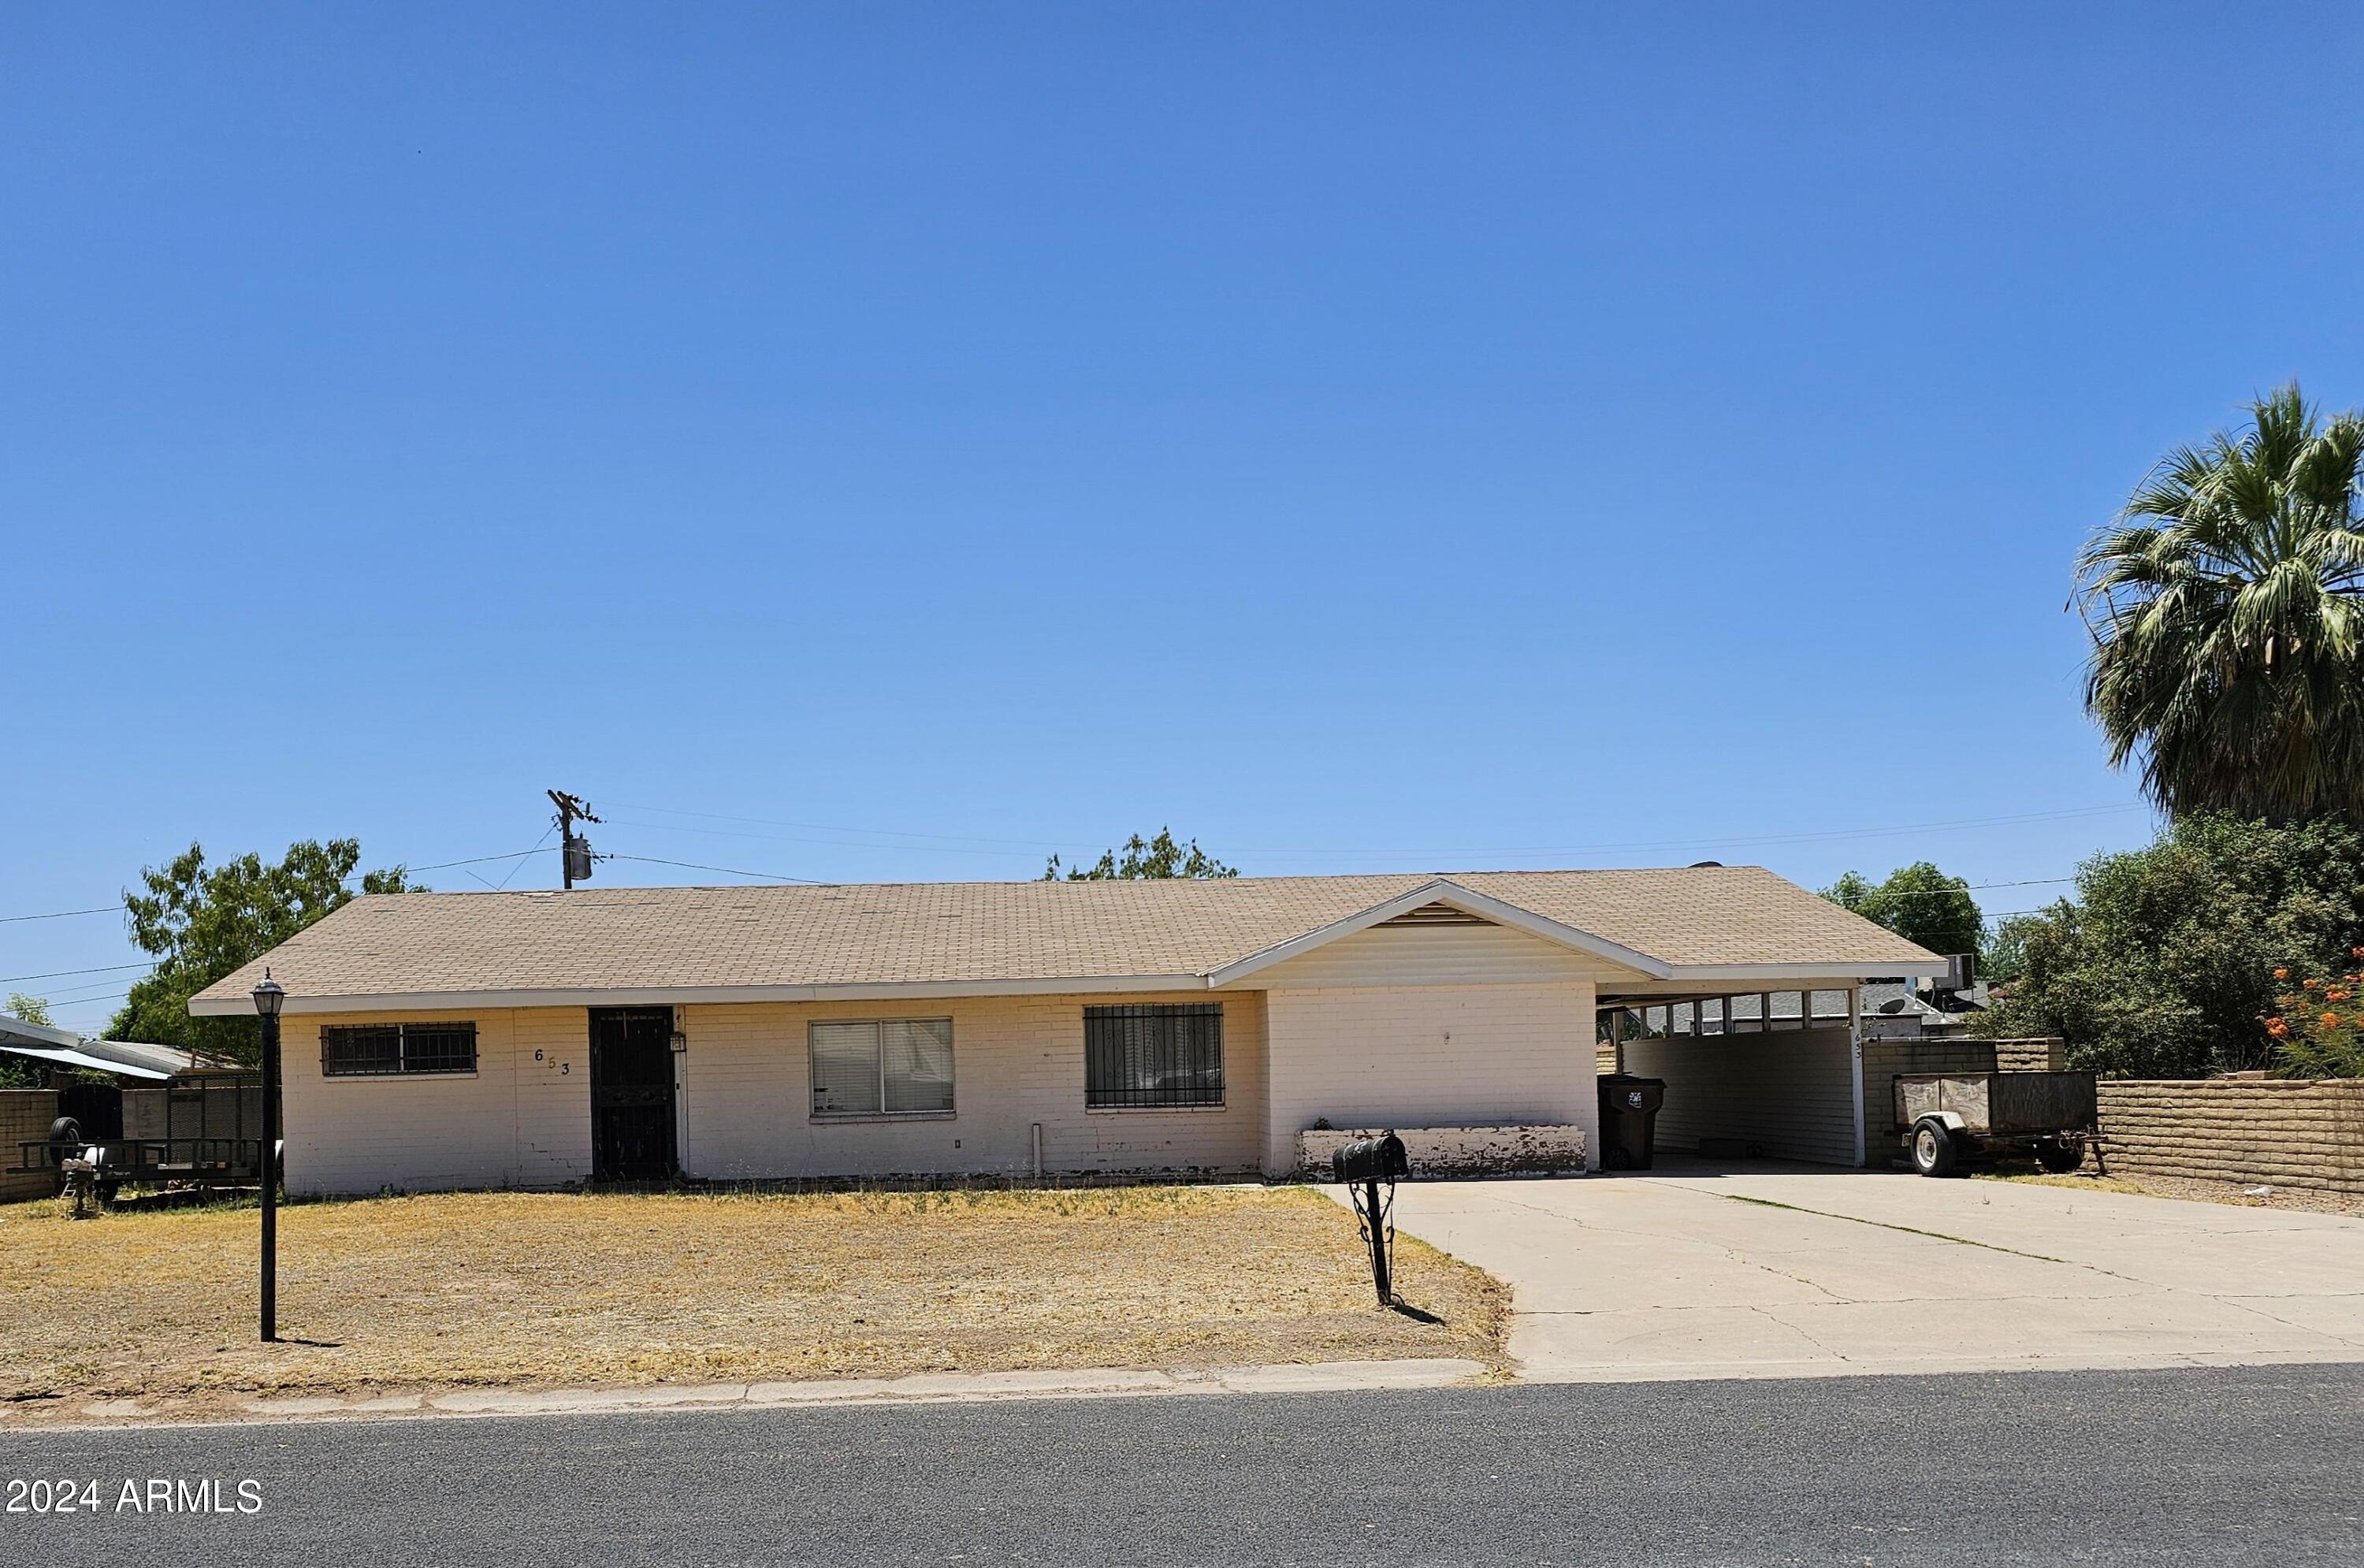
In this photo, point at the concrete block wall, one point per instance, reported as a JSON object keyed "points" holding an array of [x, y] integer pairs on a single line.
{"points": [[2276, 1132], [1430, 1056], [25, 1113]]}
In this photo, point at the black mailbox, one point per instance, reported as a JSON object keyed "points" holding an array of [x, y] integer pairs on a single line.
{"points": [[1380, 1159]]}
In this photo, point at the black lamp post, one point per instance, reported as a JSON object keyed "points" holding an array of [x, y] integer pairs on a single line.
{"points": [[268, 998]]}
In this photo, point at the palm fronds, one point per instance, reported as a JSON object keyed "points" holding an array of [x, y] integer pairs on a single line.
{"points": [[2228, 634]]}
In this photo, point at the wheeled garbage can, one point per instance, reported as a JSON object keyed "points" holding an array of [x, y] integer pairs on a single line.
{"points": [[1629, 1119]]}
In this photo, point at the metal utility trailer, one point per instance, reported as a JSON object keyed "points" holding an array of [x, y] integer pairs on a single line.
{"points": [[196, 1132], [1944, 1118]]}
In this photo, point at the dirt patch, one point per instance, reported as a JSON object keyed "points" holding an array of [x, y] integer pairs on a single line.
{"points": [[2240, 1194], [558, 1290]]}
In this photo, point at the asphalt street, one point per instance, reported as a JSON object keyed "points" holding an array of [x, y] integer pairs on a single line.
{"points": [[2218, 1466]]}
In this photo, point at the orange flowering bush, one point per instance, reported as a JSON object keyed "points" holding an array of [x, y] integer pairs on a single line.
{"points": [[2316, 1040]]}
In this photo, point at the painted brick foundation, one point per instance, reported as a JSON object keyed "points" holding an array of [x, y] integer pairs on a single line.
{"points": [[1495, 1151]]}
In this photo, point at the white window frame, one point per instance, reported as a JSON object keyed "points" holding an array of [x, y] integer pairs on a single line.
{"points": [[878, 1059]]}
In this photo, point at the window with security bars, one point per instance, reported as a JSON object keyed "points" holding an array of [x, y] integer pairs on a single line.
{"points": [[370, 1051], [889, 1067], [1144, 1055]]}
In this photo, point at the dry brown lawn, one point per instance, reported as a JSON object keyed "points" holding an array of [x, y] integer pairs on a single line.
{"points": [[563, 1290]]}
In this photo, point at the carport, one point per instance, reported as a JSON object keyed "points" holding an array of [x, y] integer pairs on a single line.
{"points": [[1763, 1074]]}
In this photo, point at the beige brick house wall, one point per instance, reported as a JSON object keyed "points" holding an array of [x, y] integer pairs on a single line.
{"points": [[1430, 1055], [521, 1119], [1016, 1061]]}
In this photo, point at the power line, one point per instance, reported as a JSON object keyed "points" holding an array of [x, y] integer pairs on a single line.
{"points": [[1814, 836], [1817, 836], [54, 973], [471, 860], [1969, 887], [1033, 844], [354, 876], [946, 848], [537, 843], [727, 871]]}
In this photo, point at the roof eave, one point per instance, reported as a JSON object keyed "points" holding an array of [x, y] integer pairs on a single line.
{"points": [[681, 996]]}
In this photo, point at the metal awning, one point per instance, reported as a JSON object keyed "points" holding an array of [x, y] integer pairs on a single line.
{"points": [[132, 1058], [66, 1056]]}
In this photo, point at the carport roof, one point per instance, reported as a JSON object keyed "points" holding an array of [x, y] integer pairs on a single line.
{"points": [[720, 943]]}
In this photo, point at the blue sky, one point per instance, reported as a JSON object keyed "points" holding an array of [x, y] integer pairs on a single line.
{"points": [[1364, 438]]}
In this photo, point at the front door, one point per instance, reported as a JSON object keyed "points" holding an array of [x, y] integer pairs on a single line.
{"points": [[631, 1094]]}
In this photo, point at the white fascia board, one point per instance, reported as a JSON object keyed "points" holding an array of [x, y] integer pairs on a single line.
{"points": [[1746, 975], [1443, 890], [678, 995]]}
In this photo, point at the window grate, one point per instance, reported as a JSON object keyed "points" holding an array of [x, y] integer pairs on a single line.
{"points": [[354, 1051], [1143, 1055]]}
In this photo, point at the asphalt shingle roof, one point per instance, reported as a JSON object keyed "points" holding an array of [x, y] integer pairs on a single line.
{"points": [[654, 937]]}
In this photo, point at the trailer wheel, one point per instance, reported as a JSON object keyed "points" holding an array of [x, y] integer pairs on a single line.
{"points": [[2058, 1155], [1935, 1152], [65, 1130]]}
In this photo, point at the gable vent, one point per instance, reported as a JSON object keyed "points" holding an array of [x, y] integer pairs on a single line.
{"points": [[1437, 915]]}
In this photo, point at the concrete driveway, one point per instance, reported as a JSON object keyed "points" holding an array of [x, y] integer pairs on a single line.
{"points": [[1767, 1270]]}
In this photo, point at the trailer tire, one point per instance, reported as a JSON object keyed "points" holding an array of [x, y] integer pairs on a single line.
{"points": [[65, 1130], [2058, 1155], [1934, 1150]]}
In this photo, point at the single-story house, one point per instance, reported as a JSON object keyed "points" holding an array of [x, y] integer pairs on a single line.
{"points": [[439, 1040]]}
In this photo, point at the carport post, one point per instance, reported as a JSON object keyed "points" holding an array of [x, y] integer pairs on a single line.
{"points": [[267, 999], [1855, 1057]]}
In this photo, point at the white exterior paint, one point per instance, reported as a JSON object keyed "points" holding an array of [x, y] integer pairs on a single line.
{"points": [[1439, 955], [1791, 1093], [1016, 1061], [1428, 1055], [1432, 1026], [1454, 895], [1456, 1150], [519, 1120]]}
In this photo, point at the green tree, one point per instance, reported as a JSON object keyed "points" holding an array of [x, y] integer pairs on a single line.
{"points": [[2228, 640], [2161, 966], [204, 921], [1146, 858], [1917, 902]]}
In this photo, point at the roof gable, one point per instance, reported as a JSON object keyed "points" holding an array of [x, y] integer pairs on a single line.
{"points": [[1450, 894]]}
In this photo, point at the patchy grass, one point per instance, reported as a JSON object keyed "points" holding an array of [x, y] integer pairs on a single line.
{"points": [[544, 1290]]}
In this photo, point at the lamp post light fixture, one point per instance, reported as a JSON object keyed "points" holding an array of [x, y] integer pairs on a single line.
{"points": [[269, 997]]}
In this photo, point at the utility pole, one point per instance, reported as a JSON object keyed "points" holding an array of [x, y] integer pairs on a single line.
{"points": [[574, 851]]}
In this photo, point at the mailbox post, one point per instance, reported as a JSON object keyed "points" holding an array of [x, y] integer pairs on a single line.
{"points": [[1361, 1166]]}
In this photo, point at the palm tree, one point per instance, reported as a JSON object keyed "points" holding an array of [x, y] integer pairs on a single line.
{"points": [[2228, 636]]}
